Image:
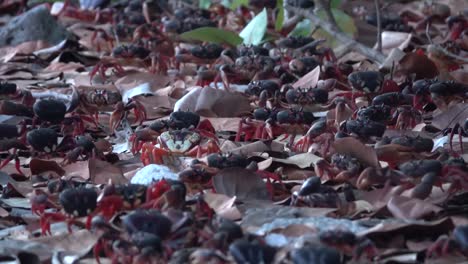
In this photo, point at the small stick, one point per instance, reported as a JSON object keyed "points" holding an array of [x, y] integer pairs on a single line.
{"points": [[340, 36], [442, 49], [379, 25]]}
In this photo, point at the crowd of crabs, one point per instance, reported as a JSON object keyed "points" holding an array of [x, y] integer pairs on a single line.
{"points": [[162, 222]]}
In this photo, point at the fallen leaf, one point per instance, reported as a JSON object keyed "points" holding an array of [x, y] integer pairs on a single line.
{"points": [[223, 205], [241, 183], [100, 172], [212, 102], [355, 148], [38, 166], [309, 80], [411, 208], [255, 30], [456, 114]]}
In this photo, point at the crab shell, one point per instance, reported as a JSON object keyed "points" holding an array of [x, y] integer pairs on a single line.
{"points": [[179, 141]]}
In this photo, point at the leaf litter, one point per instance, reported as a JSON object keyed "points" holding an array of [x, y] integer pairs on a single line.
{"points": [[234, 134]]}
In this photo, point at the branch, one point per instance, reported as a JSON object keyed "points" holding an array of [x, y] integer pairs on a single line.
{"points": [[379, 25], [442, 49], [340, 36]]}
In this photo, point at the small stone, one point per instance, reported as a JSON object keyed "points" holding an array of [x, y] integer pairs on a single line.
{"points": [[36, 24], [153, 172]]}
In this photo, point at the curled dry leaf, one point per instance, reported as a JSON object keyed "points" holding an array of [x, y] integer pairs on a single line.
{"points": [[456, 114], [419, 65], [212, 102], [64, 67], [3, 212], [38, 166], [394, 153], [225, 124], [223, 205], [392, 39], [309, 80], [240, 182], [408, 229], [8, 53], [407, 208], [249, 148], [355, 148]]}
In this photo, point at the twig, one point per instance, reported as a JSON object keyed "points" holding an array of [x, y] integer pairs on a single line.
{"points": [[325, 4], [379, 25], [340, 36], [116, 36], [442, 49]]}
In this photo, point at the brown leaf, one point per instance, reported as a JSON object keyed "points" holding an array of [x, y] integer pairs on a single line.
{"points": [[38, 166], [309, 80], [213, 103], [79, 242], [456, 114], [64, 67], [249, 148], [8, 53], [223, 205], [355, 148], [101, 172], [225, 124], [241, 183], [394, 153], [130, 81], [156, 106], [3, 212], [410, 208], [418, 64], [417, 230], [77, 169]]}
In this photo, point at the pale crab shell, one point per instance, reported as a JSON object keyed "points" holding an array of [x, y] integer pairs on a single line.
{"points": [[167, 140]]}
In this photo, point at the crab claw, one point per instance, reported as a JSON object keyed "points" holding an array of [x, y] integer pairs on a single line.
{"points": [[116, 116], [120, 110], [101, 68], [206, 129]]}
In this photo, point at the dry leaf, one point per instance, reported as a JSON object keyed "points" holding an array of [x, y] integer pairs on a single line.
{"points": [[456, 114], [101, 172], [212, 102], [309, 80], [240, 182], [411, 208], [355, 148], [223, 205], [38, 166]]}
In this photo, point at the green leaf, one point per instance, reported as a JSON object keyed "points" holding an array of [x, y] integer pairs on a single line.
{"points": [[335, 3], [254, 31], [226, 3], [269, 37], [345, 23], [237, 3], [280, 17], [303, 28], [204, 4], [212, 34]]}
